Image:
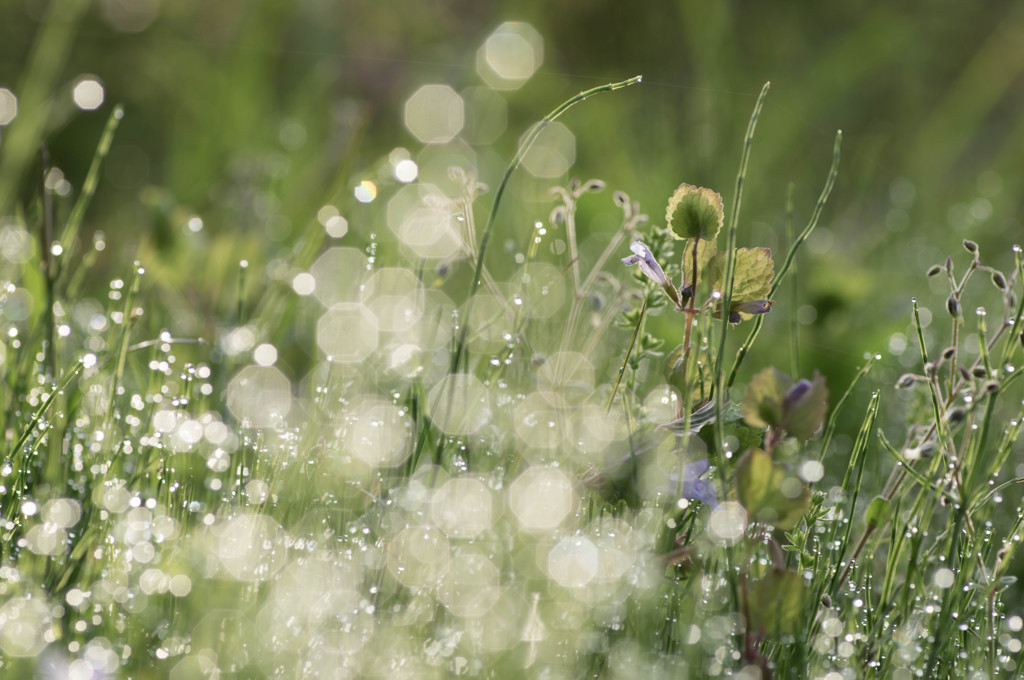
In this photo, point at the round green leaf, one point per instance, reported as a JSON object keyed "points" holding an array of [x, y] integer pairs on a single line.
{"points": [[695, 212]]}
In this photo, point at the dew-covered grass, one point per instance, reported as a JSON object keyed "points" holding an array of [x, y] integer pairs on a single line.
{"points": [[417, 449]]}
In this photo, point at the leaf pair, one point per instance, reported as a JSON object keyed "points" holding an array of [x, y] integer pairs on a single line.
{"points": [[695, 216]]}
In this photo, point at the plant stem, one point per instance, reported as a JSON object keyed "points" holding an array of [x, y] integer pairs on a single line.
{"points": [[485, 237]]}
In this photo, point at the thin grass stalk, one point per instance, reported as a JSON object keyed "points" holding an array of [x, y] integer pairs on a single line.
{"points": [[794, 292], [92, 178], [780, 273], [730, 249], [856, 464], [35, 98], [485, 237]]}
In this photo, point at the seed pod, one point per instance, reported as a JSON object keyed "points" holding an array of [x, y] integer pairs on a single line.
{"points": [[955, 415], [964, 372], [990, 387], [934, 270], [998, 280], [953, 307], [979, 372], [906, 381], [970, 246], [948, 353]]}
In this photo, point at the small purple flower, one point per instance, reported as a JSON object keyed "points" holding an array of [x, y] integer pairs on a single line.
{"points": [[694, 487], [753, 307], [650, 267]]}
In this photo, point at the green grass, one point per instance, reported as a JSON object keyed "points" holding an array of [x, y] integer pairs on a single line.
{"points": [[485, 463]]}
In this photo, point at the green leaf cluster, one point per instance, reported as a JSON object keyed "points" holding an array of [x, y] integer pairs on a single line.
{"points": [[695, 216]]}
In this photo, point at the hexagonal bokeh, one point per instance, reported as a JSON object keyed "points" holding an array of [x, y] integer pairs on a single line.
{"points": [[552, 153], [541, 498], [339, 273], [348, 332], [459, 404], [510, 55], [470, 586], [418, 556], [434, 114], [420, 216], [395, 297], [377, 433], [462, 508], [260, 396]]}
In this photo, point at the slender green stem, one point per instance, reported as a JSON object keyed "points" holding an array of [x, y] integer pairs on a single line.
{"points": [[35, 96], [780, 273], [730, 263], [485, 237], [629, 350], [794, 291], [92, 179]]}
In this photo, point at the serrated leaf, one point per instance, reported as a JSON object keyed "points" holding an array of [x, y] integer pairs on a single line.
{"points": [[877, 513], [694, 212], [762, 403], [753, 274], [769, 491], [777, 603], [805, 406], [754, 271]]}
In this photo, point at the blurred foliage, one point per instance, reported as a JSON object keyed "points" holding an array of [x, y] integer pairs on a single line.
{"points": [[253, 115]]}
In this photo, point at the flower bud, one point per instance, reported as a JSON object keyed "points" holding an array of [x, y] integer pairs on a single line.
{"points": [[906, 381], [970, 246], [979, 372], [934, 270], [998, 280], [953, 306]]}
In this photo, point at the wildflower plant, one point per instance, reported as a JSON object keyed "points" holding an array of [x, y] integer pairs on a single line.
{"points": [[493, 474]]}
